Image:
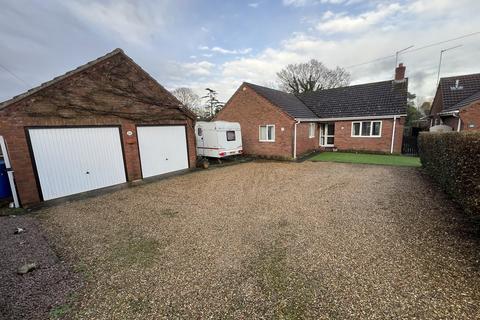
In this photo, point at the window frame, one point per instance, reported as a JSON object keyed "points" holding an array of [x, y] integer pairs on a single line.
{"points": [[311, 130], [266, 128], [234, 135], [371, 129]]}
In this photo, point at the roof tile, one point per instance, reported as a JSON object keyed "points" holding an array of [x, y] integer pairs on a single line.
{"points": [[384, 98], [468, 89]]}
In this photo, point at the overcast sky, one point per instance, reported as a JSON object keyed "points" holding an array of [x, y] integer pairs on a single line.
{"points": [[220, 44]]}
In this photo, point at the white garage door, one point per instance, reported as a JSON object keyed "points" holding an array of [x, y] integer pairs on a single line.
{"points": [[74, 160], [163, 149]]}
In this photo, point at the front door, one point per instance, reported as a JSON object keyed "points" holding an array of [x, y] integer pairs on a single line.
{"points": [[327, 134]]}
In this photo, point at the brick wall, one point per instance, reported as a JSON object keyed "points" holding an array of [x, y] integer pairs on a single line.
{"points": [[304, 142], [344, 140], [251, 111], [471, 117], [437, 106], [28, 112]]}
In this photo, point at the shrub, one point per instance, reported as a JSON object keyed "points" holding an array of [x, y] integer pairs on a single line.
{"points": [[453, 160]]}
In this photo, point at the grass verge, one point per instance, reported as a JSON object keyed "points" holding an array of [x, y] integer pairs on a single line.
{"points": [[347, 157]]}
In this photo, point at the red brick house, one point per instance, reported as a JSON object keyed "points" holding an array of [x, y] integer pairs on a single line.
{"points": [[105, 123], [457, 103], [368, 117]]}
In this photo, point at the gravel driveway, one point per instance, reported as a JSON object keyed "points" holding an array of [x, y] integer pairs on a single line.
{"points": [[273, 240], [41, 292]]}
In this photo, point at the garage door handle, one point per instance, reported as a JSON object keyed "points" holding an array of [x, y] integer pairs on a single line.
{"points": [[88, 172]]}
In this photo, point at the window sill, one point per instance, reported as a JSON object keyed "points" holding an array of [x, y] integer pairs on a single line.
{"points": [[366, 137], [266, 140]]}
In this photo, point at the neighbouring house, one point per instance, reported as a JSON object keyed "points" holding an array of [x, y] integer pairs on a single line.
{"points": [[365, 117], [103, 124], [457, 103]]}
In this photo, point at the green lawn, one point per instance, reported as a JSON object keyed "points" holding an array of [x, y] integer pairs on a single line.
{"points": [[346, 157]]}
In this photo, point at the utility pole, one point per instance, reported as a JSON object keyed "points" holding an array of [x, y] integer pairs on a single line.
{"points": [[440, 62]]}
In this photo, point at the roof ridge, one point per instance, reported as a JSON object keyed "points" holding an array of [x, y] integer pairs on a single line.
{"points": [[67, 74], [462, 75], [285, 106], [352, 86], [264, 87]]}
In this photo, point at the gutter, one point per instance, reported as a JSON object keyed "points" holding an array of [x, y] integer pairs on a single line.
{"points": [[295, 140], [349, 118], [448, 113]]}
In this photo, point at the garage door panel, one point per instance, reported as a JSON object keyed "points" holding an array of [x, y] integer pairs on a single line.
{"points": [[163, 149], [74, 160]]}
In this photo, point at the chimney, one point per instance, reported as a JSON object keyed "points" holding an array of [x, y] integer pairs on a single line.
{"points": [[400, 73]]}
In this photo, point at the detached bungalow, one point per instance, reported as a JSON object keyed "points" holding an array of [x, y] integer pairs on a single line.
{"points": [[368, 117], [457, 103]]}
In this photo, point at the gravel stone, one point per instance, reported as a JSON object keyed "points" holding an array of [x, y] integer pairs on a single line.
{"points": [[31, 295], [272, 240], [26, 268]]}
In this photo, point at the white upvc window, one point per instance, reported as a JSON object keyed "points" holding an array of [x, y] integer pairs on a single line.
{"points": [[367, 129], [311, 130], [267, 133]]}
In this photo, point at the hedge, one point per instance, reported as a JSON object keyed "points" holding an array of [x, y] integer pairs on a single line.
{"points": [[453, 160]]}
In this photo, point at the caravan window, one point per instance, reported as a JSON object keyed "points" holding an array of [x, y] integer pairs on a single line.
{"points": [[230, 135]]}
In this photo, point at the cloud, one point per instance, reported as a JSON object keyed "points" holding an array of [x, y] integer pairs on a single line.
{"points": [[225, 51], [353, 48], [304, 3], [327, 15], [298, 3], [335, 23], [202, 68], [132, 22], [253, 4]]}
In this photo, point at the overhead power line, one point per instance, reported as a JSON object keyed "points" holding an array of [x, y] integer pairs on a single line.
{"points": [[15, 76], [414, 50]]}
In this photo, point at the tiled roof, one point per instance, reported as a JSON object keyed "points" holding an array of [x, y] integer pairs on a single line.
{"points": [[454, 96], [289, 103], [384, 98], [467, 101]]}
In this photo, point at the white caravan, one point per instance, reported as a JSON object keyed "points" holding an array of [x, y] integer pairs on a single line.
{"points": [[218, 139]]}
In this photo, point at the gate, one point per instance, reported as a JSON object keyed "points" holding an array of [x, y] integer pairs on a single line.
{"points": [[410, 146]]}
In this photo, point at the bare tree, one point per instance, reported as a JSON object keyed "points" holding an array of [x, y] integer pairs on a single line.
{"points": [[311, 76], [189, 99]]}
